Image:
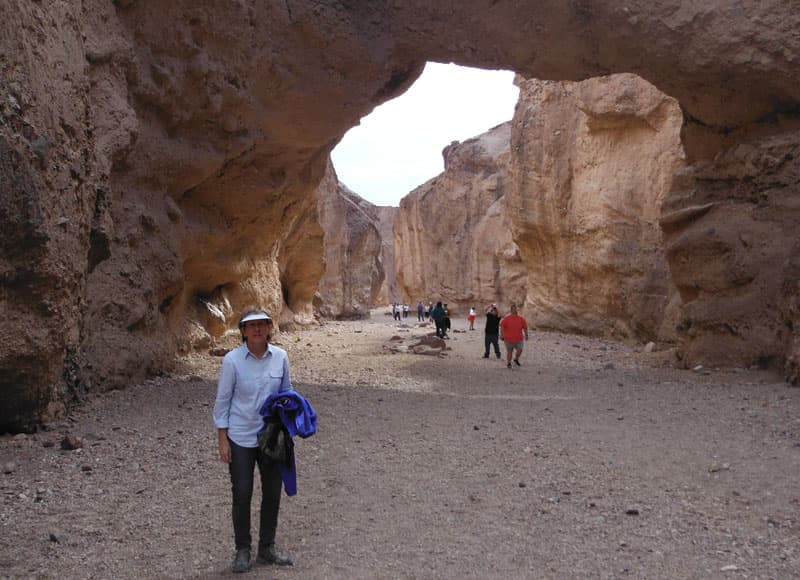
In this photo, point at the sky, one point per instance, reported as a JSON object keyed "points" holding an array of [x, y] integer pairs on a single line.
{"points": [[399, 145]]}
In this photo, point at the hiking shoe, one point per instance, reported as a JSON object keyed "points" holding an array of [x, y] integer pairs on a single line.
{"points": [[516, 360], [508, 365], [272, 555], [486, 356], [241, 562], [498, 355]]}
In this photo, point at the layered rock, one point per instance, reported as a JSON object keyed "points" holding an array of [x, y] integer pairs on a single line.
{"points": [[156, 154], [452, 235], [354, 272], [592, 162], [732, 231]]}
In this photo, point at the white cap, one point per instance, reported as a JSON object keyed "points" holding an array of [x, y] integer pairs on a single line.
{"points": [[255, 316]]}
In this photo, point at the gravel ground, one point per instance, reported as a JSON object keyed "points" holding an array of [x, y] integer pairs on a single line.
{"points": [[591, 460]]}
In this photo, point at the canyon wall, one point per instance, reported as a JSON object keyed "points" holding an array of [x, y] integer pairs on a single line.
{"points": [[155, 156], [452, 235], [592, 162], [354, 270], [732, 233]]}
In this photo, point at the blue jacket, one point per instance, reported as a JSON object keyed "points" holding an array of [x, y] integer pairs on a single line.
{"points": [[299, 418]]}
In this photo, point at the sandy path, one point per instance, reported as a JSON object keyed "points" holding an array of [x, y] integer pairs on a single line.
{"points": [[591, 460]]}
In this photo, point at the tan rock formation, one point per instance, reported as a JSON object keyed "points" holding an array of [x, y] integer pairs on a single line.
{"points": [[389, 291], [354, 270], [592, 162], [154, 153], [452, 236]]}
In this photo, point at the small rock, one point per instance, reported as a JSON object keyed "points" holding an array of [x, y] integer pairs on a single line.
{"points": [[632, 512], [729, 568], [56, 539], [649, 347], [9, 467], [70, 443], [523, 484]]}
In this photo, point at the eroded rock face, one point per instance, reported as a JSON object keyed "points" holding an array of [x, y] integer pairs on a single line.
{"points": [[592, 162], [156, 154], [452, 235], [732, 231], [354, 270]]}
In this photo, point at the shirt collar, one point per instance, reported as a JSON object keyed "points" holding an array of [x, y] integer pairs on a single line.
{"points": [[247, 352]]}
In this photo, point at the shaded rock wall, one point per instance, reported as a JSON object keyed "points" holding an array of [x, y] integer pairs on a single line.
{"points": [[592, 161], [155, 153], [732, 232], [354, 270], [389, 291], [452, 235]]}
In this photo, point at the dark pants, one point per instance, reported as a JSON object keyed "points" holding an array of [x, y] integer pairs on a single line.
{"points": [[242, 468], [492, 339], [440, 328]]}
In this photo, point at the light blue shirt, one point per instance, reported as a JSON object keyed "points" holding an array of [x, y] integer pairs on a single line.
{"points": [[245, 382]]}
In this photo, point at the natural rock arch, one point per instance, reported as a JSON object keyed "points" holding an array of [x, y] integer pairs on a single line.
{"points": [[151, 153]]}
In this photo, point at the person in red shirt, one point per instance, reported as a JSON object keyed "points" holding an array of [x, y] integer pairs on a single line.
{"points": [[514, 332]]}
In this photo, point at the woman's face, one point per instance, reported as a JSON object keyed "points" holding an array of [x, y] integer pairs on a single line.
{"points": [[257, 332]]}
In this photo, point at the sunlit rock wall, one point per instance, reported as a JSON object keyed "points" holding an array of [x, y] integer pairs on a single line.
{"points": [[592, 162], [452, 235]]}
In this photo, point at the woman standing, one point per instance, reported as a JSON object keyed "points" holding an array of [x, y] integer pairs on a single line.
{"points": [[249, 374]]}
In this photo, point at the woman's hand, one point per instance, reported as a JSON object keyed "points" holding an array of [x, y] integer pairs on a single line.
{"points": [[224, 446]]}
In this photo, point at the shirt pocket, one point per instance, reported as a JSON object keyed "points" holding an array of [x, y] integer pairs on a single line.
{"points": [[274, 379]]}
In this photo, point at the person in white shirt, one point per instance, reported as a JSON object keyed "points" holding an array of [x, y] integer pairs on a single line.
{"points": [[249, 374]]}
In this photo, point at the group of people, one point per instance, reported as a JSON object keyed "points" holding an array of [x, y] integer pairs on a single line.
{"points": [[400, 311], [512, 329]]}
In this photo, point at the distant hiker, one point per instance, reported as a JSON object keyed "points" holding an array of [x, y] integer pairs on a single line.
{"points": [[250, 374], [429, 313], [396, 311], [471, 318], [420, 312], [438, 316], [447, 322], [514, 332], [492, 331], [406, 310]]}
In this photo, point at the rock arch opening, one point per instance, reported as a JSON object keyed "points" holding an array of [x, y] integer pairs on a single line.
{"points": [[137, 101]]}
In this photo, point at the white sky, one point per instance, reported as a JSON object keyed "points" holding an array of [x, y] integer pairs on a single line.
{"points": [[399, 145]]}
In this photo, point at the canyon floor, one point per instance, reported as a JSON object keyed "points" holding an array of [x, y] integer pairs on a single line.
{"points": [[594, 459]]}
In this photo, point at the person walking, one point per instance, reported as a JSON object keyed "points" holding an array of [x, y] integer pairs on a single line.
{"points": [[492, 331], [438, 316], [471, 318], [420, 312], [514, 332], [251, 373]]}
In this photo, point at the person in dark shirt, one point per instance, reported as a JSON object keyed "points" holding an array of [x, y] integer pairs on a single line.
{"points": [[492, 332], [439, 316]]}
